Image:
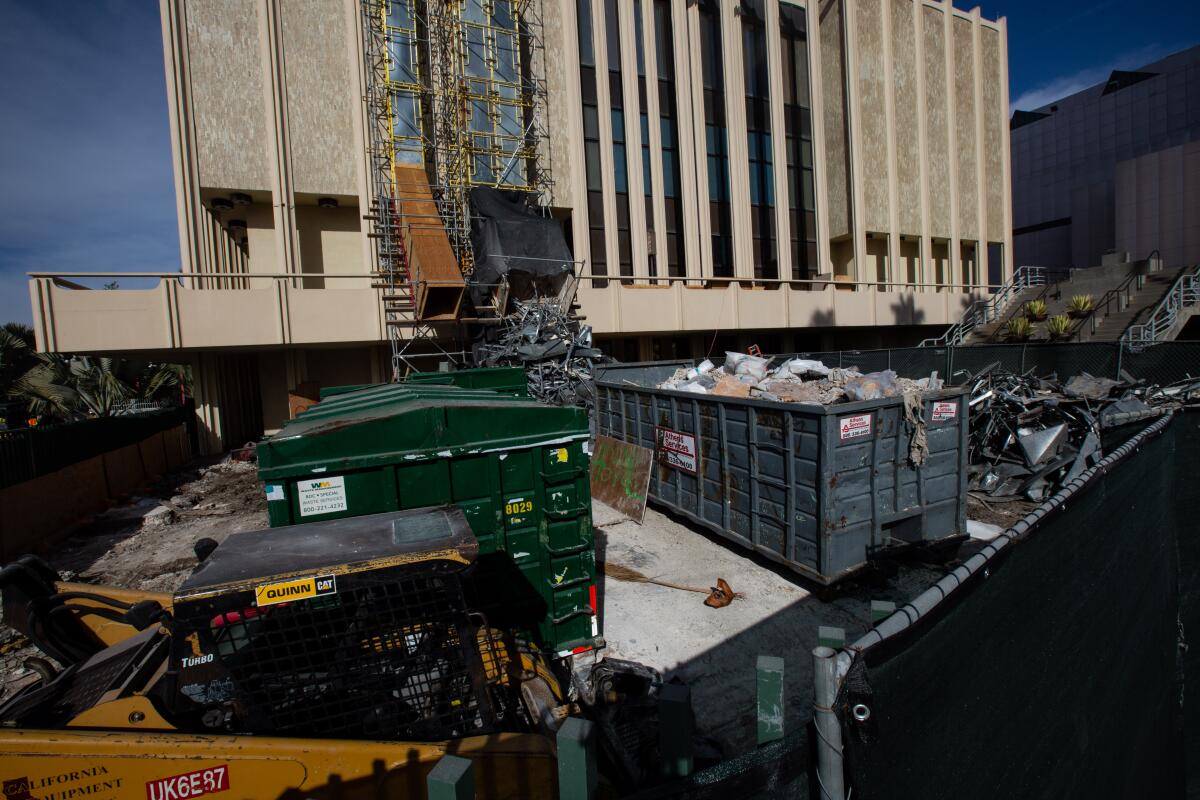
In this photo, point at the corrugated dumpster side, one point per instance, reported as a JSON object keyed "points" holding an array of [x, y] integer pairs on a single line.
{"points": [[517, 469], [817, 488]]}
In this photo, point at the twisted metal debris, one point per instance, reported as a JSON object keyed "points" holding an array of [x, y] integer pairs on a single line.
{"points": [[1030, 436], [544, 336]]}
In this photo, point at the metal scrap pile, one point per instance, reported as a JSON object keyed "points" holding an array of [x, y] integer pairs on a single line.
{"points": [[1030, 436], [797, 380], [546, 340]]}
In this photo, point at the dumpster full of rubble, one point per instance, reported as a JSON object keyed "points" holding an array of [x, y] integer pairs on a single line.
{"points": [[813, 467]]}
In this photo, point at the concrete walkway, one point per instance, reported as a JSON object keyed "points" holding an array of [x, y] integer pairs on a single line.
{"points": [[715, 650]]}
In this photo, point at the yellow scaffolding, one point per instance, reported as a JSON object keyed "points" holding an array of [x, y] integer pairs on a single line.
{"points": [[455, 85]]}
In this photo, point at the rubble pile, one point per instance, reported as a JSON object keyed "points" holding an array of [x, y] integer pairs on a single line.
{"points": [[546, 340], [797, 380], [1030, 436]]}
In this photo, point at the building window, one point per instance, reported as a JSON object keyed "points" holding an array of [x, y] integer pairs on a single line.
{"points": [[716, 138], [591, 142], [758, 136], [620, 167], [669, 132], [797, 114]]}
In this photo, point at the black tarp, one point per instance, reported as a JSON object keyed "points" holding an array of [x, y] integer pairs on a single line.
{"points": [[1054, 671], [510, 238]]}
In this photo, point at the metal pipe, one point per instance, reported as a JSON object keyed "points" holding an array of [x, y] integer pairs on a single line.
{"points": [[830, 777]]}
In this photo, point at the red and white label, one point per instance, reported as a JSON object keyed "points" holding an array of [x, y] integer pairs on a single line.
{"points": [[678, 449], [855, 426], [189, 784], [943, 411]]}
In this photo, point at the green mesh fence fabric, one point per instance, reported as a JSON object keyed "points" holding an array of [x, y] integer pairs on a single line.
{"points": [[1186, 469], [1052, 672]]}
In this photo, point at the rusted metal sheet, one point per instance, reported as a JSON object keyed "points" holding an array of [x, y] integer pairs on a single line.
{"points": [[621, 475], [436, 276]]}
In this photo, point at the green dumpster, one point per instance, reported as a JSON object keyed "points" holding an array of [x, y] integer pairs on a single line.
{"points": [[517, 469], [504, 380]]}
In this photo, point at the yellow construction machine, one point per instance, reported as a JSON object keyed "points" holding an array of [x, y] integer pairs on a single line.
{"points": [[333, 659]]}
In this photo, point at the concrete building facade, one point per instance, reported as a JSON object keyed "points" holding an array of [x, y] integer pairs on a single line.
{"points": [[1113, 167], [727, 172]]}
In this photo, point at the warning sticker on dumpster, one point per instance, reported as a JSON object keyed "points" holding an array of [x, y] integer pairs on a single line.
{"points": [[675, 449], [855, 426], [322, 495], [943, 411]]}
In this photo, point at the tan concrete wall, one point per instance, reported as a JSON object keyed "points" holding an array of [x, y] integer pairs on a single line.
{"points": [[994, 133], [664, 309], [232, 137], [317, 69], [833, 117], [273, 383], [907, 110], [871, 159], [562, 81], [261, 240], [154, 456], [937, 141], [329, 242], [37, 512], [964, 130]]}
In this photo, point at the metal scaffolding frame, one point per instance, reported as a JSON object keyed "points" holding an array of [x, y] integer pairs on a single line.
{"points": [[458, 86]]}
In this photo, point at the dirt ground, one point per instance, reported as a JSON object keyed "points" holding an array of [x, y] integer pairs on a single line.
{"points": [[146, 542], [996, 512]]}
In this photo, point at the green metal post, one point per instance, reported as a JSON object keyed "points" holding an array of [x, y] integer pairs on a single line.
{"points": [[770, 699], [881, 610], [831, 637], [576, 760], [452, 778], [675, 729]]}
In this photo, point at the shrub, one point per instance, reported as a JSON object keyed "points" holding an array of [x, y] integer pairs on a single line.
{"points": [[1058, 325], [1035, 309], [1081, 304], [1019, 328]]}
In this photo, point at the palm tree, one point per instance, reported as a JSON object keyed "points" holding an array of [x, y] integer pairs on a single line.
{"points": [[157, 378], [67, 387], [45, 388], [99, 383], [16, 353]]}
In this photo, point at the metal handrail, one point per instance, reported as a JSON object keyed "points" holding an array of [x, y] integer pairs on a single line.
{"points": [[1120, 293], [982, 312], [1185, 291]]}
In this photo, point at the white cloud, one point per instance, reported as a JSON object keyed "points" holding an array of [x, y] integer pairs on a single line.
{"points": [[1066, 85]]}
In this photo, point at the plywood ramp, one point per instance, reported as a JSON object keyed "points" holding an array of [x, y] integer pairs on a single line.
{"points": [[437, 280]]}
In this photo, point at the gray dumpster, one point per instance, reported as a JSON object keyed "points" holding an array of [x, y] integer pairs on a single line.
{"points": [[816, 488]]}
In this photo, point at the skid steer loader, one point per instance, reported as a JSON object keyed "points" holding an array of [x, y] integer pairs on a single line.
{"points": [[332, 659]]}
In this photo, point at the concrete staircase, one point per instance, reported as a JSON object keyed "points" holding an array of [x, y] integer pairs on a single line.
{"points": [[1140, 304], [1125, 294]]}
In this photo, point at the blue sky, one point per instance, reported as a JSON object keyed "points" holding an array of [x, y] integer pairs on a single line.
{"points": [[85, 160]]}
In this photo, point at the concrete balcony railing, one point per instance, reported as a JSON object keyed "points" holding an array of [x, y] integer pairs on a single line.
{"points": [[197, 311], [621, 305]]}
